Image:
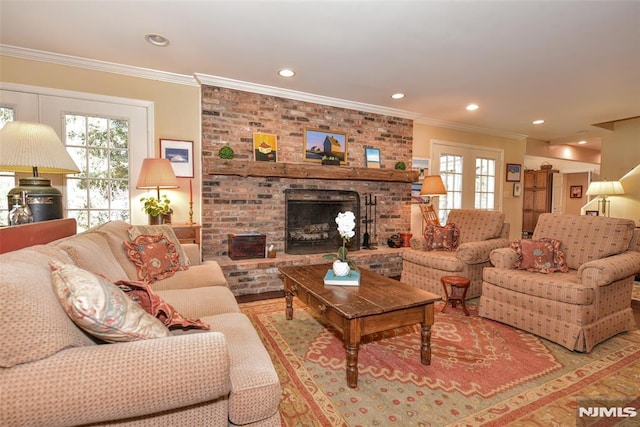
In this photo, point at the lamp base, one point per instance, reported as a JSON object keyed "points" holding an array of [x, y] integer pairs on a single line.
{"points": [[44, 200]]}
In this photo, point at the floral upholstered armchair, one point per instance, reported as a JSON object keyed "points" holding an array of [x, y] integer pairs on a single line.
{"points": [[578, 299], [477, 233]]}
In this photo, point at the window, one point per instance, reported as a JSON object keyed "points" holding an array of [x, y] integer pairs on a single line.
{"points": [[100, 148], [451, 174], [485, 183], [470, 175]]}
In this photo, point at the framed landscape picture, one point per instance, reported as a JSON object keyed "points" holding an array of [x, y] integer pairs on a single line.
{"points": [[372, 157], [180, 154], [514, 172], [319, 143], [265, 147]]}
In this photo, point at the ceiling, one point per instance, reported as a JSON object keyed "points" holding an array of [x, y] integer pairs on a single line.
{"points": [[572, 63]]}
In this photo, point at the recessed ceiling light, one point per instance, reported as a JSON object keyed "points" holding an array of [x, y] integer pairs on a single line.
{"points": [[472, 107], [157, 40], [538, 122], [286, 73], [582, 142], [398, 95]]}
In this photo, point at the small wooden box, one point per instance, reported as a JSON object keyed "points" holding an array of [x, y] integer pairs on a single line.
{"points": [[247, 246]]}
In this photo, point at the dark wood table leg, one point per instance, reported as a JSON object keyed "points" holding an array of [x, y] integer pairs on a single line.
{"points": [[425, 348], [289, 291], [352, 344], [464, 297]]}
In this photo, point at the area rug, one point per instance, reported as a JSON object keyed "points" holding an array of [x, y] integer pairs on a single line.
{"points": [[482, 373]]}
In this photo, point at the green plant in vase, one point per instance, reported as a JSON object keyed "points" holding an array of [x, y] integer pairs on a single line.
{"points": [[156, 208]]}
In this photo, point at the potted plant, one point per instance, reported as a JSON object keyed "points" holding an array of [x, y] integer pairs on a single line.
{"points": [[158, 209]]}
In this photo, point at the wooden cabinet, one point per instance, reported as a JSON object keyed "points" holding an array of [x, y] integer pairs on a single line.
{"points": [[537, 191], [187, 233]]}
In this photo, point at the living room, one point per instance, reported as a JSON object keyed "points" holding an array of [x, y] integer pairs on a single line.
{"points": [[183, 106]]}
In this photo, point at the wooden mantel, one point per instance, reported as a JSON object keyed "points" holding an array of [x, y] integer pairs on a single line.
{"points": [[309, 171]]}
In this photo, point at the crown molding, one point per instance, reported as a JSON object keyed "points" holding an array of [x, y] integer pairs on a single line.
{"points": [[198, 79], [95, 65], [301, 96], [468, 128]]}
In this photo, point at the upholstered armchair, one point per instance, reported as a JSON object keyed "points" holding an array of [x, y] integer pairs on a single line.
{"points": [[581, 307], [480, 233]]}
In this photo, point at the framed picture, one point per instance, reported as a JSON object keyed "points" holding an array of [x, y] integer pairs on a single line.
{"points": [[420, 164], [517, 189], [319, 143], [265, 147], [591, 213], [514, 172], [180, 154], [372, 157], [575, 191]]}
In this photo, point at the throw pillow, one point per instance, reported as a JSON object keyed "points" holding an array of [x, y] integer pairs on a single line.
{"points": [[542, 256], [151, 302], [100, 308], [154, 256], [559, 258], [137, 230], [442, 238]]}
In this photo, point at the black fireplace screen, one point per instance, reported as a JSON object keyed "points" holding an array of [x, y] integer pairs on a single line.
{"points": [[310, 220]]}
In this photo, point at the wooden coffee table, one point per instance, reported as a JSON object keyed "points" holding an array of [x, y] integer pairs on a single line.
{"points": [[378, 304]]}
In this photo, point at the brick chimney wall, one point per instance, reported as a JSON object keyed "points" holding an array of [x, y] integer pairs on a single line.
{"points": [[234, 204]]}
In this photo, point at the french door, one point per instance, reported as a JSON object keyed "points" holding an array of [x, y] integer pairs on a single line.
{"points": [[472, 176], [107, 137]]}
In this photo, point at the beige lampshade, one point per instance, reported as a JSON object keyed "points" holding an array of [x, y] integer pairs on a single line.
{"points": [[432, 186], [27, 147], [605, 188], [157, 173]]}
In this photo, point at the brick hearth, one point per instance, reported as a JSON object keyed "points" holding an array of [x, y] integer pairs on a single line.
{"points": [[258, 276]]}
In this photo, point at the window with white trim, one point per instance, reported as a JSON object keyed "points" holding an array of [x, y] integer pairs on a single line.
{"points": [[471, 176], [100, 148]]}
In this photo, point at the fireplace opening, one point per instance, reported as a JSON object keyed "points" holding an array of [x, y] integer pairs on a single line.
{"points": [[310, 220]]}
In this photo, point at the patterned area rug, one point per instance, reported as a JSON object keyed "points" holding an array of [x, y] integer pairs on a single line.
{"points": [[482, 373]]}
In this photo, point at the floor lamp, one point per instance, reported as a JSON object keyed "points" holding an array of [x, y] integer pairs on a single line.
{"points": [[604, 189], [432, 185]]}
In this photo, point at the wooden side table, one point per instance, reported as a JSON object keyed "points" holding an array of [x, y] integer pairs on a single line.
{"points": [[459, 286], [187, 233]]}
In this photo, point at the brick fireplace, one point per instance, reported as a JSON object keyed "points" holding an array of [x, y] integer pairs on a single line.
{"points": [[242, 195]]}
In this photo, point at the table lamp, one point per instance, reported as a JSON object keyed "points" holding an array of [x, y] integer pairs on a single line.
{"points": [[157, 173], [604, 189], [36, 148]]}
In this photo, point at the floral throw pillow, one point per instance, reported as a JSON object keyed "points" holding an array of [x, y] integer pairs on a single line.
{"points": [[154, 256], [100, 308], [542, 256], [151, 302], [137, 230], [442, 238]]}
